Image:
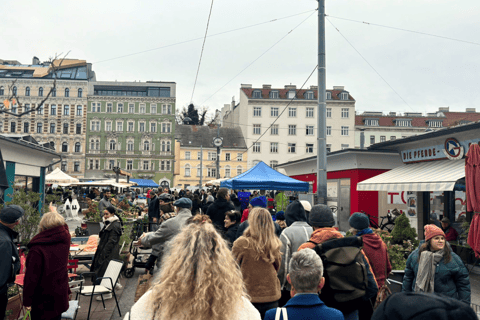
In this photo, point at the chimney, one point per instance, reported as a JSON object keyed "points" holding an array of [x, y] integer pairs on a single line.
{"points": [[246, 86], [314, 87], [443, 109], [341, 88], [470, 110], [290, 87], [267, 86]]}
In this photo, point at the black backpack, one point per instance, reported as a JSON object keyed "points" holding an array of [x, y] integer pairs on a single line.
{"points": [[345, 273]]}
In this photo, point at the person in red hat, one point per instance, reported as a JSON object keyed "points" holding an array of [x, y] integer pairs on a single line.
{"points": [[433, 267]]}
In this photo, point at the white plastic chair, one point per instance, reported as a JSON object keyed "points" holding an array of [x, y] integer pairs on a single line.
{"points": [[68, 210], [75, 208]]}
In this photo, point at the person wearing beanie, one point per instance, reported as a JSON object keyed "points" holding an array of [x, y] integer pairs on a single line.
{"points": [[434, 267], [421, 306], [322, 221], [280, 219], [292, 237], [450, 233], [257, 202], [376, 251]]}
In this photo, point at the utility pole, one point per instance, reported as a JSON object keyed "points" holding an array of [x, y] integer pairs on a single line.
{"points": [[201, 167], [218, 154], [322, 110]]}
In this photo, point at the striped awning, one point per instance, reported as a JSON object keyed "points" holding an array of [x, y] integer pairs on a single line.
{"points": [[424, 176]]}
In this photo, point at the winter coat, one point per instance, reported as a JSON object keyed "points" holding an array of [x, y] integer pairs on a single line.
{"points": [[231, 234], [376, 251], [450, 234], [46, 286], [206, 206], [292, 238], [108, 248], [307, 306], [245, 215], [8, 251], [217, 210], [260, 276], [154, 208], [451, 279]]}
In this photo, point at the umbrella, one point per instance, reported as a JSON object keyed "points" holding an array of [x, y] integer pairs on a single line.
{"points": [[472, 182]]}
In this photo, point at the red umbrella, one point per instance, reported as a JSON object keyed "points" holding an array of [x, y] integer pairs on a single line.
{"points": [[472, 180]]}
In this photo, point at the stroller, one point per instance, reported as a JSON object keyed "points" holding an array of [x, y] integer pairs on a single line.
{"points": [[140, 255]]}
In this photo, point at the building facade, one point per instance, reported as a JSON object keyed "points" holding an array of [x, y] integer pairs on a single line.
{"points": [[131, 125], [195, 147], [294, 133], [378, 127], [61, 119]]}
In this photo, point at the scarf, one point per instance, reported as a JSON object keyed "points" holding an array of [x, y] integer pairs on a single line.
{"points": [[364, 231], [426, 271], [108, 222]]}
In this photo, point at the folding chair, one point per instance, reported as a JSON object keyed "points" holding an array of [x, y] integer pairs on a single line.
{"points": [[73, 305], [106, 286]]}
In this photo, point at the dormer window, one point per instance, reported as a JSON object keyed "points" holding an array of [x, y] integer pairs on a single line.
{"points": [[329, 95], [291, 94], [403, 122], [309, 95], [273, 94], [435, 123], [344, 96], [257, 94], [371, 122]]}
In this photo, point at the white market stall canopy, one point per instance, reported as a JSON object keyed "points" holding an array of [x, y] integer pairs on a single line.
{"points": [[423, 176], [57, 176], [215, 182], [122, 183]]}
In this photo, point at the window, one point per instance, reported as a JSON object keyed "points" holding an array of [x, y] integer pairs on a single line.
{"points": [[14, 108], [329, 95], [53, 110], [142, 108], [131, 108], [310, 112], [344, 146], [393, 137], [309, 131], [273, 147], [79, 111], [130, 146], [97, 144], [90, 164], [227, 156], [67, 92], [256, 129], [112, 144], [92, 144], [344, 96], [345, 112], [274, 130], [187, 155], [371, 122], [2, 91], [141, 127], [77, 146], [274, 112], [273, 164], [78, 128], [344, 130], [199, 155], [40, 110], [52, 127], [257, 111], [239, 170], [64, 166], [199, 171], [108, 126], [403, 123], [291, 147], [39, 127], [329, 130], [80, 93], [227, 171], [145, 165], [130, 126], [212, 172], [167, 164], [64, 147], [146, 146], [166, 128], [120, 126], [119, 107], [25, 127], [40, 92], [65, 128], [309, 95], [166, 146], [292, 111], [153, 127], [97, 164], [329, 148], [383, 138], [187, 170], [257, 94], [239, 156], [292, 129], [166, 109], [273, 95], [372, 139], [66, 110], [212, 156], [27, 91], [54, 93], [96, 107], [329, 112], [14, 91], [153, 108], [129, 164], [291, 94], [435, 123], [109, 107], [256, 147], [111, 164], [309, 148]]}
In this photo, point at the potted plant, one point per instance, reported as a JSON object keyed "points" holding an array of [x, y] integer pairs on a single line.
{"points": [[14, 305], [93, 218]]}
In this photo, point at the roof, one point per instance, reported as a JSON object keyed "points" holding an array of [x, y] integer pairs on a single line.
{"points": [[450, 119], [41, 71], [197, 136], [282, 93], [28, 141]]}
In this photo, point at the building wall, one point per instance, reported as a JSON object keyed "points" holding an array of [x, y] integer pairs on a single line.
{"points": [[382, 134], [58, 137]]}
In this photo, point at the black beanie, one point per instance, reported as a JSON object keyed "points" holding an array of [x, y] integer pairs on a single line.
{"points": [[321, 216], [421, 306], [295, 212]]}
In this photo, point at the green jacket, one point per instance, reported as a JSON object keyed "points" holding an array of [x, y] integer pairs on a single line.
{"points": [[451, 279]]}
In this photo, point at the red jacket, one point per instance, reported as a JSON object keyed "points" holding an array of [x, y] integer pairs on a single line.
{"points": [[450, 234], [46, 287], [376, 251]]}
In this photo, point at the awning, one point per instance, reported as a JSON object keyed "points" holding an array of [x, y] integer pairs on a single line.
{"points": [[424, 176], [145, 183]]}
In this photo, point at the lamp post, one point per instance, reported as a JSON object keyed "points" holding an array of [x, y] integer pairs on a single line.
{"points": [[217, 142]]}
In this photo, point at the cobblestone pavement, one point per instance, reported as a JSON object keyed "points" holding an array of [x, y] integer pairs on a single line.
{"points": [[128, 295]]}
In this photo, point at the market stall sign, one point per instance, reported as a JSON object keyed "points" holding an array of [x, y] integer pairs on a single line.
{"points": [[451, 149]]}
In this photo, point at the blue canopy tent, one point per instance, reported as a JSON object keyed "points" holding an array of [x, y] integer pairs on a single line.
{"points": [[144, 183], [262, 177]]}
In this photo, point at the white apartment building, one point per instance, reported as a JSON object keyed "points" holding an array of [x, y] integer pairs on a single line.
{"points": [[294, 133]]}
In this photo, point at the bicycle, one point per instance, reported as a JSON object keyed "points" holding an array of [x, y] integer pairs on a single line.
{"points": [[387, 225]]}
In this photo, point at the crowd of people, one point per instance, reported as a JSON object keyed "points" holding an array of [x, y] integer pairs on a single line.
{"points": [[214, 261]]}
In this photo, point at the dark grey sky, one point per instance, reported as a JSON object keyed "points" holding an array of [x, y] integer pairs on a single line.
{"points": [[427, 72]]}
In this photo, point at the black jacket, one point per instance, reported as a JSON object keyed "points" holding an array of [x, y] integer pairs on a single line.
{"points": [[216, 212], [154, 208], [231, 234], [8, 251], [108, 248], [205, 207]]}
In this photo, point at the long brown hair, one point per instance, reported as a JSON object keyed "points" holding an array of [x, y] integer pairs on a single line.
{"points": [[447, 256]]}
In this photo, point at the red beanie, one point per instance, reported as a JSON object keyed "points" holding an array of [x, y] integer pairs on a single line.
{"points": [[431, 231]]}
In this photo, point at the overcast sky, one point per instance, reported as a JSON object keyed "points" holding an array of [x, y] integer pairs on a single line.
{"points": [[427, 72]]}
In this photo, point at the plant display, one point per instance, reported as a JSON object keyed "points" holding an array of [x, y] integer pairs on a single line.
{"points": [[398, 253], [92, 214], [12, 291], [403, 231], [464, 234]]}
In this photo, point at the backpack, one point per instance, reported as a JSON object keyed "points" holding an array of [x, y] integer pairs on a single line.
{"points": [[345, 272]]}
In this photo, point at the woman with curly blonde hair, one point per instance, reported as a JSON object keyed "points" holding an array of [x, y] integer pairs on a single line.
{"points": [[258, 254], [199, 280]]}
